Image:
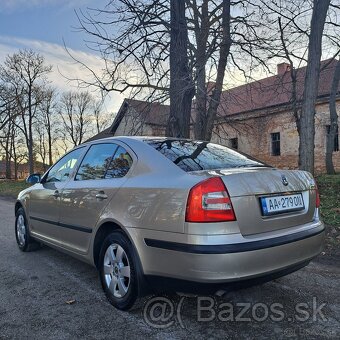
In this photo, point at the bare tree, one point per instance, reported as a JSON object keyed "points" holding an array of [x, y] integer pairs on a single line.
{"points": [[137, 52], [40, 144], [307, 119], [5, 143], [303, 27], [208, 123], [75, 112], [18, 149], [102, 118], [11, 141], [31, 127], [48, 108], [333, 126], [8, 127], [133, 39], [182, 88], [219, 41], [25, 72], [7, 100]]}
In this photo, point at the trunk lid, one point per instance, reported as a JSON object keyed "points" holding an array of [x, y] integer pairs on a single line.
{"points": [[247, 186], [258, 181]]}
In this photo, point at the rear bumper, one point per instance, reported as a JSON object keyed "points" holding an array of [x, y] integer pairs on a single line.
{"points": [[160, 284], [234, 247], [226, 258]]}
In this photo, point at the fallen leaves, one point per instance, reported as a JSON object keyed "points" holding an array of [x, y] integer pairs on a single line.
{"points": [[71, 302]]}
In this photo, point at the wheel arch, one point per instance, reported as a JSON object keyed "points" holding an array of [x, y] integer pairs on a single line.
{"points": [[101, 233], [18, 205]]}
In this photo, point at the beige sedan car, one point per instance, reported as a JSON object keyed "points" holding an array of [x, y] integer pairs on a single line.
{"points": [[141, 208]]}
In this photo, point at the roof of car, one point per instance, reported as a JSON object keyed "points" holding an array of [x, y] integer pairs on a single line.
{"points": [[141, 138]]}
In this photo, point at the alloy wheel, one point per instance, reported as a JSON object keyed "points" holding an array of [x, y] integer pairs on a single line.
{"points": [[21, 230], [117, 270]]}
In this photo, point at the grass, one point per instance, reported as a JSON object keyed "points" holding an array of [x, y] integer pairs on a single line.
{"points": [[329, 188], [12, 188]]}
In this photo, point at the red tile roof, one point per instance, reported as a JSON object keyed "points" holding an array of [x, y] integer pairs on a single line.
{"points": [[265, 93], [273, 91]]}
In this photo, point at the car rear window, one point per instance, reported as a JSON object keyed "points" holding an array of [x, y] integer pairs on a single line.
{"points": [[196, 155]]}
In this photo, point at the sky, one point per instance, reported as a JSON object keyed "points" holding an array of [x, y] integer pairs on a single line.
{"points": [[44, 26]]}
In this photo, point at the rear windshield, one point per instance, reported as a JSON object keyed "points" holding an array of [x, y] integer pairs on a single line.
{"points": [[195, 155]]}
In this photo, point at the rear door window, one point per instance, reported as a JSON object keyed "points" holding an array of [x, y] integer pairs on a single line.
{"points": [[96, 162], [196, 155], [120, 164]]}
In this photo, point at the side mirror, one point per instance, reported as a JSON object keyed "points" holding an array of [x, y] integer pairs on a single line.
{"points": [[33, 179]]}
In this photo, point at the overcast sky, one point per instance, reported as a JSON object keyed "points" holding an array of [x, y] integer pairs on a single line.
{"points": [[43, 25]]}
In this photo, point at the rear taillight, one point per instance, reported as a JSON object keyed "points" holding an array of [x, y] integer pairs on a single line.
{"points": [[209, 201]]}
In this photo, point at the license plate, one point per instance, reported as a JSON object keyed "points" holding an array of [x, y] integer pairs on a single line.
{"points": [[272, 205]]}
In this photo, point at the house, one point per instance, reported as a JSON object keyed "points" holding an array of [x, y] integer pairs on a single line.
{"points": [[2, 169], [22, 170], [255, 118], [136, 117]]}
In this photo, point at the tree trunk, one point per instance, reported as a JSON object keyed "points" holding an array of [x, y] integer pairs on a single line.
{"points": [[206, 114], [8, 153], [307, 119], [30, 132], [333, 128], [30, 151], [182, 88], [221, 67], [50, 156], [49, 136], [8, 165], [201, 35], [15, 160], [15, 169]]}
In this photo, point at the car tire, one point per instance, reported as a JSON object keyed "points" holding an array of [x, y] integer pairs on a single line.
{"points": [[24, 240], [118, 268]]}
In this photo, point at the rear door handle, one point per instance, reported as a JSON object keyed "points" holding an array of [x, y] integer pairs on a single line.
{"points": [[56, 194], [101, 195]]}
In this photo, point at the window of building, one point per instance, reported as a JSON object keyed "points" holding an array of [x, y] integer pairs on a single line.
{"points": [[336, 139], [276, 148], [234, 143], [96, 161]]}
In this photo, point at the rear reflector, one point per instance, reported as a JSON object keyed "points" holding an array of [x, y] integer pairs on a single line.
{"points": [[209, 201]]}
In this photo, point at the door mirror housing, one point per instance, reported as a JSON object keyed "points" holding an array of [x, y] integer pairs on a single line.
{"points": [[33, 179]]}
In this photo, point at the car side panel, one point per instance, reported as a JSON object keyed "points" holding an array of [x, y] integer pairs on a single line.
{"points": [[147, 202], [81, 209], [43, 212]]}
